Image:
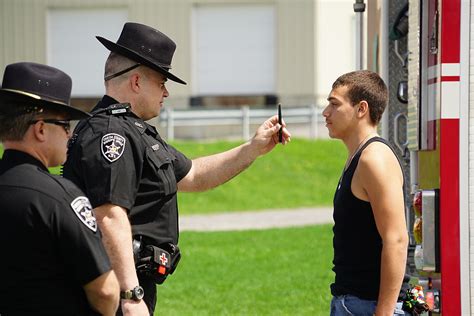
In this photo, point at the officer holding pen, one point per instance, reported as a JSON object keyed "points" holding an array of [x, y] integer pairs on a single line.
{"points": [[132, 176]]}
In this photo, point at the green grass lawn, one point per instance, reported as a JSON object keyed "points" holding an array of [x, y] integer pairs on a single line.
{"points": [[302, 173], [270, 272]]}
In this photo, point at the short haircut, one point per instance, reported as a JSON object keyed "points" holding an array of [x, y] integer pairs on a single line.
{"points": [[15, 123], [116, 63], [365, 85]]}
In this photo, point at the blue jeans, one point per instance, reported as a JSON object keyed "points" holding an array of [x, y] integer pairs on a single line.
{"points": [[346, 305]]}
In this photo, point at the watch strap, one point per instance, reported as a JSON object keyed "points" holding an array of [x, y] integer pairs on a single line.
{"points": [[135, 294], [128, 294]]}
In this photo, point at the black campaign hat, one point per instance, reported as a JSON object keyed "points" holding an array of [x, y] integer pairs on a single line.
{"points": [[146, 46], [32, 84]]}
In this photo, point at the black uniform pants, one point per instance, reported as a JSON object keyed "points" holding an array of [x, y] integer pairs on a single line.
{"points": [[149, 286]]}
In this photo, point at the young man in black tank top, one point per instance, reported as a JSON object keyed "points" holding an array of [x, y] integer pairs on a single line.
{"points": [[370, 236]]}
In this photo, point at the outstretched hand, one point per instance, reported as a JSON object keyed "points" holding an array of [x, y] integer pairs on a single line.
{"points": [[266, 136]]}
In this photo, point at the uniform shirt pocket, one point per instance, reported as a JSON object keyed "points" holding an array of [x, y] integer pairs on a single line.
{"points": [[160, 162]]}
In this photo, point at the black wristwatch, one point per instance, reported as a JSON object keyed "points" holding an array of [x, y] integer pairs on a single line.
{"points": [[136, 294]]}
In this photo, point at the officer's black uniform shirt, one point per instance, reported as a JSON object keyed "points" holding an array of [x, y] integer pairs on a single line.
{"points": [[116, 157], [50, 244]]}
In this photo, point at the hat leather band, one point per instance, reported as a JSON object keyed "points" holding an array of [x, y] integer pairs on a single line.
{"points": [[31, 95], [35, 96], [121, 72]]}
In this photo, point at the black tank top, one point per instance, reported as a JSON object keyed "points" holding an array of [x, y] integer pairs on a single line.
{"points": [[357, 243]]}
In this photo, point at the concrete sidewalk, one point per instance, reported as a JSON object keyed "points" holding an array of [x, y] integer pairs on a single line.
{"points": [[256, 219]]}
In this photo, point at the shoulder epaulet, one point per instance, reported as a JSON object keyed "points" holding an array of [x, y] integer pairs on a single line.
{"points": [[114, 109], [118, 109]]}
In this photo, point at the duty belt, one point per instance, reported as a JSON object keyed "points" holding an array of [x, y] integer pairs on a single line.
{"points": [[155, 262]]}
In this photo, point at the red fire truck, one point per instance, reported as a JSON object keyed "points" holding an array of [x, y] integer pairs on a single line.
{"points": [[424, 49]]}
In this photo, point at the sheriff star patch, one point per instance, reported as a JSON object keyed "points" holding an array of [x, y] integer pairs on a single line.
{"points": [[83, 209], [112, 146]]}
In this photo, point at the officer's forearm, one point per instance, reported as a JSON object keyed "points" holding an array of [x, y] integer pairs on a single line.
{"points": [[117, 238], [211, 171], [103, 293]]}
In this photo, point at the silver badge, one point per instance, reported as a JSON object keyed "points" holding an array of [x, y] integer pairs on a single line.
{"points": [[112, 146], [83, 209]]}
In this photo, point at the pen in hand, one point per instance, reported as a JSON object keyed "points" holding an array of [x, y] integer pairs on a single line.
{"points": [[280, 131]]}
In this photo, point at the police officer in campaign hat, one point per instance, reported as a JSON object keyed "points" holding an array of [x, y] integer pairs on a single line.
{"points": [[53, 260], [131, 175]]}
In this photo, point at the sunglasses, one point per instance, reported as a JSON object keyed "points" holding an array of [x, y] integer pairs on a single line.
{"points": [[63, 123]]}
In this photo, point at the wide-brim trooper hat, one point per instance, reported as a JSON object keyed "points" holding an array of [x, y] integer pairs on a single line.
{"points": [[32, 85], [146, 46]]}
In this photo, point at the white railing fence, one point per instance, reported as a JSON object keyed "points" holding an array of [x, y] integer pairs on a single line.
{"points": [[244, 117]]}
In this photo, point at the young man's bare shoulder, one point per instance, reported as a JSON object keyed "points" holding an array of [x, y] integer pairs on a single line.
{"points": [[378, 158]]}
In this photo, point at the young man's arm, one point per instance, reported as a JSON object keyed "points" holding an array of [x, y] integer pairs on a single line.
{"points": [[211, 171], [382, 180], [117, 237]]}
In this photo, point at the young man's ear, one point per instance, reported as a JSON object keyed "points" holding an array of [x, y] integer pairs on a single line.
{"points": [[363, 108]]}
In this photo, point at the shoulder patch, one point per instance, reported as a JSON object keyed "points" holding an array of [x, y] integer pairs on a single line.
{"points": [[83, 209], [112, 146]]}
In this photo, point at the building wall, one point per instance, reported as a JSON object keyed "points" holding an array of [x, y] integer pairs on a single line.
{"points": [[335, 44], [314, 38]]}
